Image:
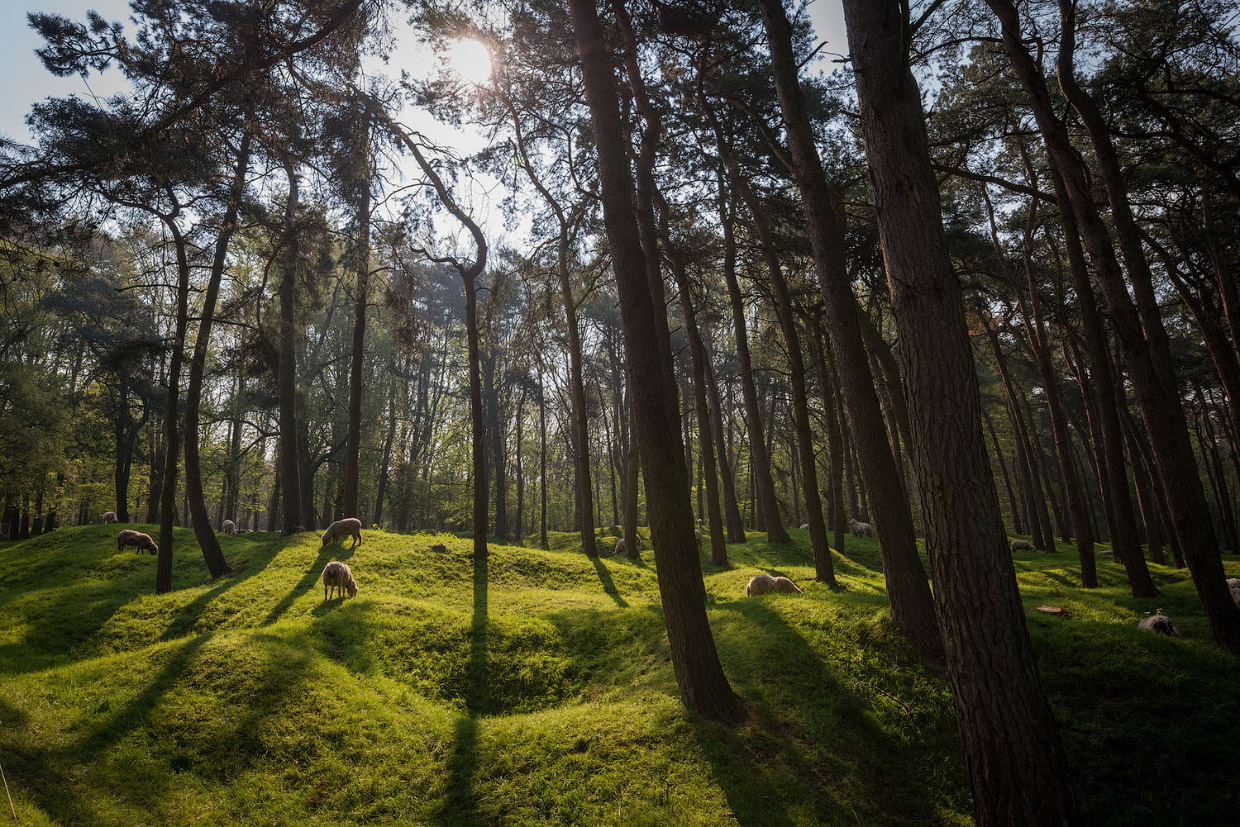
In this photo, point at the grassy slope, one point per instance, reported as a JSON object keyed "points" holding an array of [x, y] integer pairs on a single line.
{"points": [[537, 690]]}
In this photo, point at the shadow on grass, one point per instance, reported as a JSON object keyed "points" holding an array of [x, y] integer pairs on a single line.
{"points": [[810, 740], [68, 778], [609, 585], [326, 554], [244, 567], [460, 805]]}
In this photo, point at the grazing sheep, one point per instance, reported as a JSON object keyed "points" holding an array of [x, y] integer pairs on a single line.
{"points": [[1160, 624], [110, 517], [697, 533], [1233, 583], [860, 529], [804, 526], [1022, 545], [619, 549], [129, 537], [348, 527], [337, 575], [765, 584], [228, 527]]}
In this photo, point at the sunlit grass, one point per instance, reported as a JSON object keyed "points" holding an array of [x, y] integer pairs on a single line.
{"points": [[537, 690]]}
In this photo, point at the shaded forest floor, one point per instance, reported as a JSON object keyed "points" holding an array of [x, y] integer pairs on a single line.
{"points": [[536, 689]]}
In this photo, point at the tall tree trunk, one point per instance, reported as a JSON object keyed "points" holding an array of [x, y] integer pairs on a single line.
{"points": [[385, 467], [727, 479], [759, 460], [477, 421], [699, 675], [499, 451], [172, 449], [835, 440], [1103, 404], [1039, 344], [820, 548], [290, 465], [469, 273], [1016, 764], [912, 607], [207, 541], [122, 427], [632, 470], [542, 464], [361, 252], [697, 352], [1018, 522], [520, 470]]}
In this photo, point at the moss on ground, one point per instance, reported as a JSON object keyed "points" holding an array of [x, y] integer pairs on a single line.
{"points": [[536, 689]]}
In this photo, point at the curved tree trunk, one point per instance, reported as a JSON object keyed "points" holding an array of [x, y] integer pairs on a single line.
{"points": [[207, 541]]}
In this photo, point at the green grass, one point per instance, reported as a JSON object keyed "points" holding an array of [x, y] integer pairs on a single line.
{"points": [[536, 689]]}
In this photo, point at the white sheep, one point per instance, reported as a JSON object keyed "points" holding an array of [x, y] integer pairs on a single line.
{"points": [[1022, 545], [1233, 583], [804, 526], [228, 527], [110, 517], [1160, 624], [348, 527], [860, 529], [765, 584], [697, 534], [337, 575], [143, 542]]}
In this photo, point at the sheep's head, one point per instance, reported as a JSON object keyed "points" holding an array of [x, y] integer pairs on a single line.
{"points": [[351, 587], [154, 548]]}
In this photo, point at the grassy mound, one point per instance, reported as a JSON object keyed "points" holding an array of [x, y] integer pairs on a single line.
{"points": [[535, 688]]}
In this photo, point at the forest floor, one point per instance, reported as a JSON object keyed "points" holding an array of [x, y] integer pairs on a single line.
{"points": [[536, 688]]}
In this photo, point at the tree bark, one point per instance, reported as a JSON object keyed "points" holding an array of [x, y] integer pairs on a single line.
{"points": [[697, 352], [835, 441], [820, 548], [759, 460], [912, 607], [699, 675], [172, 445], [214, 557], [290, 455], [353, 439], [1016, 765]]}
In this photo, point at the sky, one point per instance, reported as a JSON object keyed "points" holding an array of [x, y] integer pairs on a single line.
{"points": [[26, 81]]}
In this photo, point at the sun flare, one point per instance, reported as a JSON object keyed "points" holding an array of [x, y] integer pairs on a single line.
{"points": [[471, 60]]}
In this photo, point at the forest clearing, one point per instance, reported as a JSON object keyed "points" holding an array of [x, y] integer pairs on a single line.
{"points": [[712, 411], [541, 693]]}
